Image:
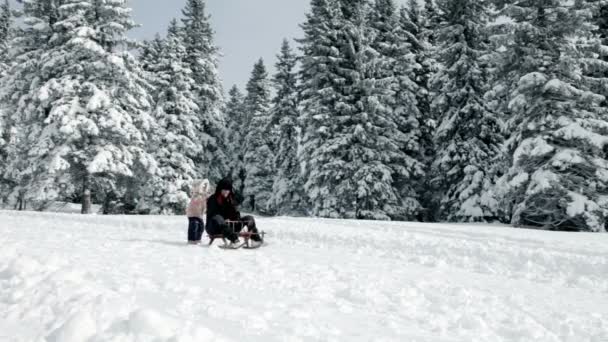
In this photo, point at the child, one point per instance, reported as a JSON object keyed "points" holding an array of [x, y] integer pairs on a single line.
{"points": [[196, 208]]}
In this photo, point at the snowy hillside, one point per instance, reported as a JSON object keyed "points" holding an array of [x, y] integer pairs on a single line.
{"points": [[78, 278]]}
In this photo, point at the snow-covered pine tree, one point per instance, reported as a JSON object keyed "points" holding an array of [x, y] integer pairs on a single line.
{"points": [[258, 158], [430, 20], [177, 142], [149, 58], [30, 40], [130, 91], [352, 161], [286, 190], [86, 117], [432, 17], [5, 28], [412, 26], [601, 20], [5, 25], [468, 136], [595, 47], [331, 79], [202, 59], [558, 172], [392, 107], [353, 151], [150, 52], [236, 115], [318, 94]]}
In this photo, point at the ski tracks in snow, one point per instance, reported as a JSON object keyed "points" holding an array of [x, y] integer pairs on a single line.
{"points": [[92, 278]]}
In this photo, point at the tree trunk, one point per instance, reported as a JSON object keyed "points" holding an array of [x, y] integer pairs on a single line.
{"points": [[86, 195], [106, 205], [21, 202]]}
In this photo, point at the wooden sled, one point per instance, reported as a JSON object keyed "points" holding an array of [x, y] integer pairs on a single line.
{"points": [[245, 235]]}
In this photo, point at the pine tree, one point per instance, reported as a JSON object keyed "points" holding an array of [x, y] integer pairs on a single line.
{"points": [[151, 53], [468, 138], [601, 20], [412, 28], [429, 24], [30, 41], [5, 29], [594, 47], [176, 115], [202, 59], [319, 98], [356, 135], [391, 80], [415, 28], [149, 58], [286, 193], [258, 154], [236, 114], [363, 180], [432, 17], [86, 122], [557, 175], [5, 25]]}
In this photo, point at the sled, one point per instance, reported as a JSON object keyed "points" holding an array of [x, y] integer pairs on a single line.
{"points": [[245, 235]]}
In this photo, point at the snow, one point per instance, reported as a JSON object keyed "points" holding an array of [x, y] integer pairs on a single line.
{"points": [[99, 100], [107, 159], [470, 207], [88, 44], [111, 278], [533, 79], [70, 208], [79, 327], [85, 32], [536, 146], [519, 179], [578, 204], [542, 180], [116, 61], [576, 131], [559, 87], [567, 156]]}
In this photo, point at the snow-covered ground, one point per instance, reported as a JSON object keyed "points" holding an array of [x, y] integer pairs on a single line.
{"points": [[67, 278]]}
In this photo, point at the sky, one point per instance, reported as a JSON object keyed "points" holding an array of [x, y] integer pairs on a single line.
{"points": [[245, 29]]}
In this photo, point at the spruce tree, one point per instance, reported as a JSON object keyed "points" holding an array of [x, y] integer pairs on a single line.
{"points": [[149, 58], [557, 175], [412, 28], [390, 78], [361, 177], [286, 190], [5, 25], [18, 95], [432, 17], [236, 114], [151, 50], [85, 125], [202, 59], [318, 85], [5, 30], [258, 159], [468, 136], [415, 28], [355, 134], [176, 115], [594, 45]]}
